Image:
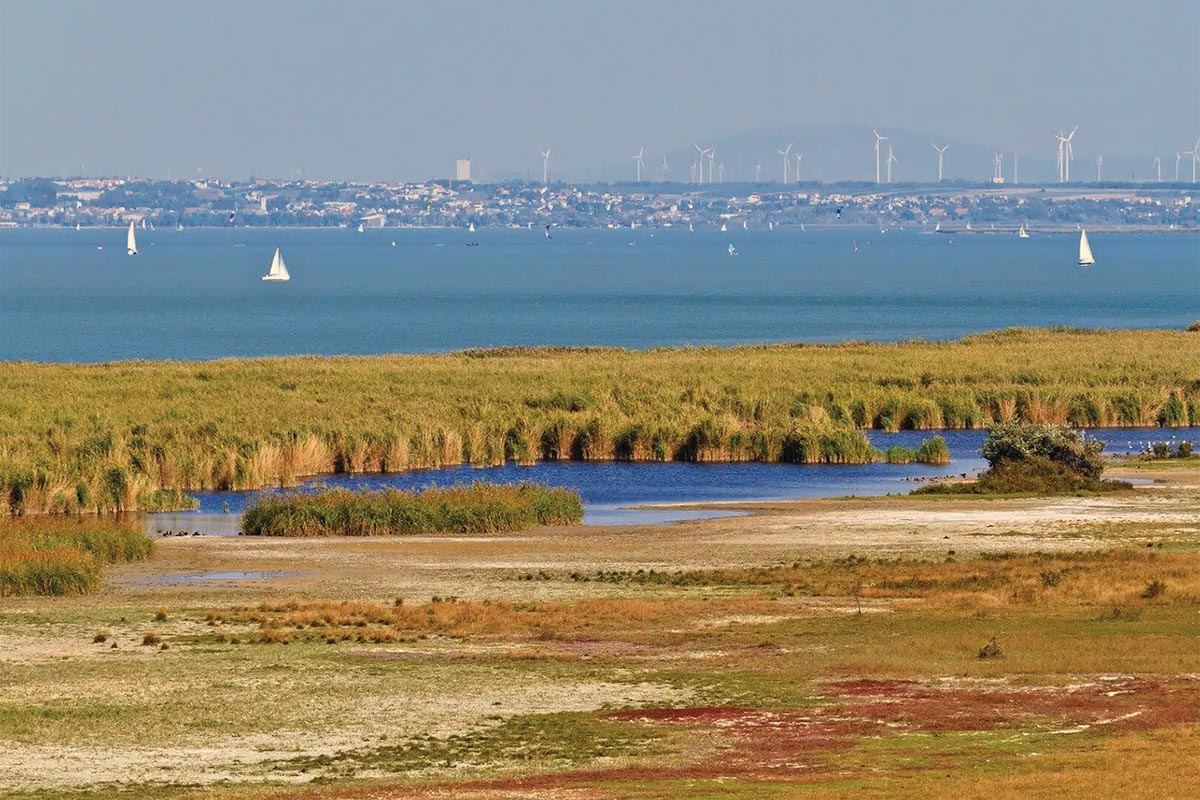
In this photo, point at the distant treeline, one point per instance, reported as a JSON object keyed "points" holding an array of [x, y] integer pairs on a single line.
{"points": [[135, 434]]}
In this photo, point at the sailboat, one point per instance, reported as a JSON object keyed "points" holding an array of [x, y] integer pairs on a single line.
{"points": [[178, 226], [1023, 234], [691, 227], [745, 226], [723, 228], [968, 226], [143, 223], [76, 226], [770, 226], [360, 227], [471, 227], [732, 249], [279, 270], [1085, 250], [802, 230], [131, 242]]}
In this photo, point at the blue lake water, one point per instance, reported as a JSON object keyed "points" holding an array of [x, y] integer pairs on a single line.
{"points": [[610, 489], [197, 293]]}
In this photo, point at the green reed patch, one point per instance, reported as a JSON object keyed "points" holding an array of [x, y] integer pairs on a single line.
{"points": [[478, 508], [129, 436], [64, 556]]}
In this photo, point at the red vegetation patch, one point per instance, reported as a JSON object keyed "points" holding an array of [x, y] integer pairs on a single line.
{"points": [[792, 745]]}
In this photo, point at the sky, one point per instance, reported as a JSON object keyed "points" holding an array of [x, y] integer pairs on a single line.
{"points": [[360, 90]]}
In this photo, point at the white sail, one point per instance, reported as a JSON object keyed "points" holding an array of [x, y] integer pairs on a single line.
{"points": [[745, 227], [1024, 234], [691, 227], [360, 227], [471, 227], [279, 271], [1085, 251], [723, 228], [131, 242], [732, 249]]}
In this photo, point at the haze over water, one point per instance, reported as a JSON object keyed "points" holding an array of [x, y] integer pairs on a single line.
{"points": [[197, 294]]}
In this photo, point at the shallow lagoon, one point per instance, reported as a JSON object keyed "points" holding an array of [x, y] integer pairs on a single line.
{"points": [[614, 492]]}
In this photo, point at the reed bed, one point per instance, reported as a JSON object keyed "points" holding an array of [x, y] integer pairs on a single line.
{"points": [[63, 556], [125, 436], [478, 508]]}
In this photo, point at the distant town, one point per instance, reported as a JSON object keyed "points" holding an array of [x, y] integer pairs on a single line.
{"points": [[946, 206]]}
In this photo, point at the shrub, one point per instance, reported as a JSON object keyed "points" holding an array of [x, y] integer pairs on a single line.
{"points": [[1154, 588], [991, 650], [1015, 441]]}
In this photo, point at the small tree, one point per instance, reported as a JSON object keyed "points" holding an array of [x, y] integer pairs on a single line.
{"points": [[1015, 441]]}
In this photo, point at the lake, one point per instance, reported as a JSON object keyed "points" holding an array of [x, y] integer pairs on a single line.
{"points": [[197, 294]]}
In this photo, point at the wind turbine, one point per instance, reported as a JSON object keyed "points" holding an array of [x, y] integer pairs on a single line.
{"points": [[891, 159], [1158, 167], [941, 151], [701, 151], [1099, 166], [785, 154], [666, 171], [638, 159], [545, 166], [1065, 155], [1195, 154], [712, 162], [878, 139], [758, 172], [693, 172], [799, 161], [998, 167], [1178, 157]]}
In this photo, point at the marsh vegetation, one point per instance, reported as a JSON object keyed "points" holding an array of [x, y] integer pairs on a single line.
{"points": [[478, 508], [134, 435]]}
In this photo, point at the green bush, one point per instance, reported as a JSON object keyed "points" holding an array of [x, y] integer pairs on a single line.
{"points": [[1015, 441]]}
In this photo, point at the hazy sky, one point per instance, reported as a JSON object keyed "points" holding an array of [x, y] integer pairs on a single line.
{"points": [[389, 90]]}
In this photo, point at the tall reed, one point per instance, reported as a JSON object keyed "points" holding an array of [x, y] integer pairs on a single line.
{"points": [[478, 508], [113, 436], [56, 555]]}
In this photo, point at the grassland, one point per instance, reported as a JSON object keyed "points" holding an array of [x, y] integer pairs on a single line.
{"points": [[479, 508], [927, 647], [115, 436]]}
